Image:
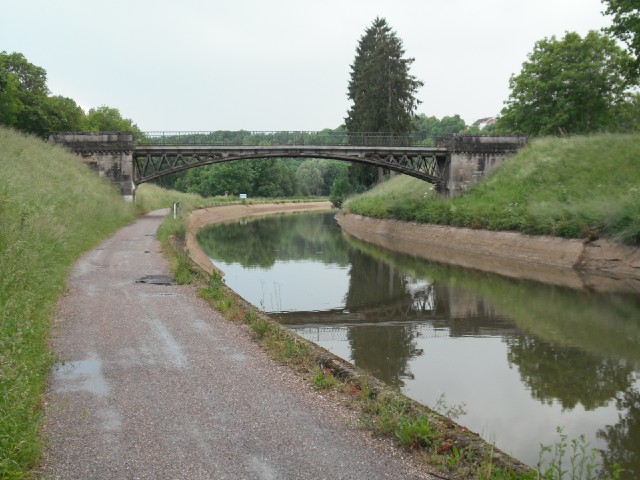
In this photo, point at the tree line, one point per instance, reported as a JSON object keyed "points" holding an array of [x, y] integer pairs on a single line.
{"points": [[26, 103]]}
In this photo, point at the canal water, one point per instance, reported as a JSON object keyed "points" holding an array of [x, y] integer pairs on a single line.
{"points": [[523, 358]]}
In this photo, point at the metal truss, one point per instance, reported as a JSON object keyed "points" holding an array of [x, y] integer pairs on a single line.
{"points": [[426, 163]]}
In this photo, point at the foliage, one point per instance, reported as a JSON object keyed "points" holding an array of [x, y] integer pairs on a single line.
{"points": [[316, 177], [65, 115], [108, 119], [52, 208], [381, 88], [324, 379], [267, 177], [555, 186], [429, 129], [29, 85], [583, 461], [626, 27], [340, 189], [573, 85], [415, 432], [25, 103]]}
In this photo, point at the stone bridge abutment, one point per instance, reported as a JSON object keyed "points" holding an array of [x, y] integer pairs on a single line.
{"points": [[109, 154]]}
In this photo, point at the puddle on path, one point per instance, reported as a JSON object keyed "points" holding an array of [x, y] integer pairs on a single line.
{"points": [[81, 376]]}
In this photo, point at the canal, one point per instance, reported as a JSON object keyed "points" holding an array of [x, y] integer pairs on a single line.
{"points": [[521, 358]]}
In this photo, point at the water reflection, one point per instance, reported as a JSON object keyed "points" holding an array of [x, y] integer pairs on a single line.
{"points": [[623, 438], [524, 357]]}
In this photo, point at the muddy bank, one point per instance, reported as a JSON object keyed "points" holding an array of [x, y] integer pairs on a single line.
{"points": [[209, 215], [601, 265]]}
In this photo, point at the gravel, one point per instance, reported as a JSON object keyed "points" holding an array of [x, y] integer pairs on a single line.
{"points": [[154, 384]]}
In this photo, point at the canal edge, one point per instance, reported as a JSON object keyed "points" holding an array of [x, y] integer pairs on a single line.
{"points": [[460, 436]]}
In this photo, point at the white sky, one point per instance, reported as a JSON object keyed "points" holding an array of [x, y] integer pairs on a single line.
{"points": [[275, 65]]}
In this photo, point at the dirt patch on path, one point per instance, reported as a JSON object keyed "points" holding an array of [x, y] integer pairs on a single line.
{"points": [[601, 265], [210, 215]]}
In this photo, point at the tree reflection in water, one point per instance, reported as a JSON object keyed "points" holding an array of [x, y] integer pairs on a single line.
{"points": [[569, 347], [566, 374], [623, 438]]}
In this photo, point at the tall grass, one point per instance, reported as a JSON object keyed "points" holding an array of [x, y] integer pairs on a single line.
{"points": [[579, 187], [52, 207]]}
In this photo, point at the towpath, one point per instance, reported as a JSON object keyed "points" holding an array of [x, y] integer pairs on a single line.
{"points": [[154, 384]]}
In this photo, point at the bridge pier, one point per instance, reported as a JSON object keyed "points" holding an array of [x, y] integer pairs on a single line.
{"points": [[108, 154]]}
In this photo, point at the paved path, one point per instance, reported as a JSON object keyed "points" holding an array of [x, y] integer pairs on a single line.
{"points": [[157, 385]]}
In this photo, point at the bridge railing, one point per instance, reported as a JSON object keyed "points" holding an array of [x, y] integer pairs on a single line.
{"points": [[275, 138]]}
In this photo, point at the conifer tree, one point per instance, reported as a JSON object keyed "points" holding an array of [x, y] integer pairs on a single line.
{"points": [[381, 87], [382, 90]]}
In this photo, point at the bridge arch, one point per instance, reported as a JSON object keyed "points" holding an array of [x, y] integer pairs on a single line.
{"points": [[426, 163]]}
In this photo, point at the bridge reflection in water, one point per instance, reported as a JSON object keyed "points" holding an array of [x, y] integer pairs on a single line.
{"points": [[524, 357]]}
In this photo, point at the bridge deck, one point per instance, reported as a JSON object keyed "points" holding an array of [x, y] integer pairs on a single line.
{"points": [[282, 149]]}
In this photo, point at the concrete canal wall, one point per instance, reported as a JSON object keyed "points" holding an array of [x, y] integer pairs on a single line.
{"points": [[601, 265]]}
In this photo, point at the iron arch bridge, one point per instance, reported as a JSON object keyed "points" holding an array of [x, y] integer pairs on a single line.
{"points": [[456, 163], [156, 154]]}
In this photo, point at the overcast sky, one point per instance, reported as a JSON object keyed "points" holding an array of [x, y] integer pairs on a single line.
{"points": [[275, 65]]}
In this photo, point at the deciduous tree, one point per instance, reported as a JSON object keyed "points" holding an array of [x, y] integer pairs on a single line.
{"points": [[572, 85], [25, 91], [108, 119], [626, 27]]}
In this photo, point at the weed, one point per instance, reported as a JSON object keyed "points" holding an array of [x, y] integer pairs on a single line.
{"points": [[260, 327], [450, 411], [453, 461], [294, 348], [183, 271], [324, 379], [415, 432], [583, 462]]}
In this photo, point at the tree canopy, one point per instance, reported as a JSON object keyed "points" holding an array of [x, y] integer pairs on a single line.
{"points": [[26, 103], [108, 119], [626, 27], [381, 88], [429, 128], [573, 85]]}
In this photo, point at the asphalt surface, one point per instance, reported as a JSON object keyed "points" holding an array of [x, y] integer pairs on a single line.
{"points": [[154, 384]]}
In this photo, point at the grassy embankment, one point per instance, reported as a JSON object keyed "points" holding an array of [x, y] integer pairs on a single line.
{"points": [[51, 209], [577, 187]]}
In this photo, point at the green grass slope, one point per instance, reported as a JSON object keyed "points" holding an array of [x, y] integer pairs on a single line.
{"points": [[52, 208], [578, 187]]}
